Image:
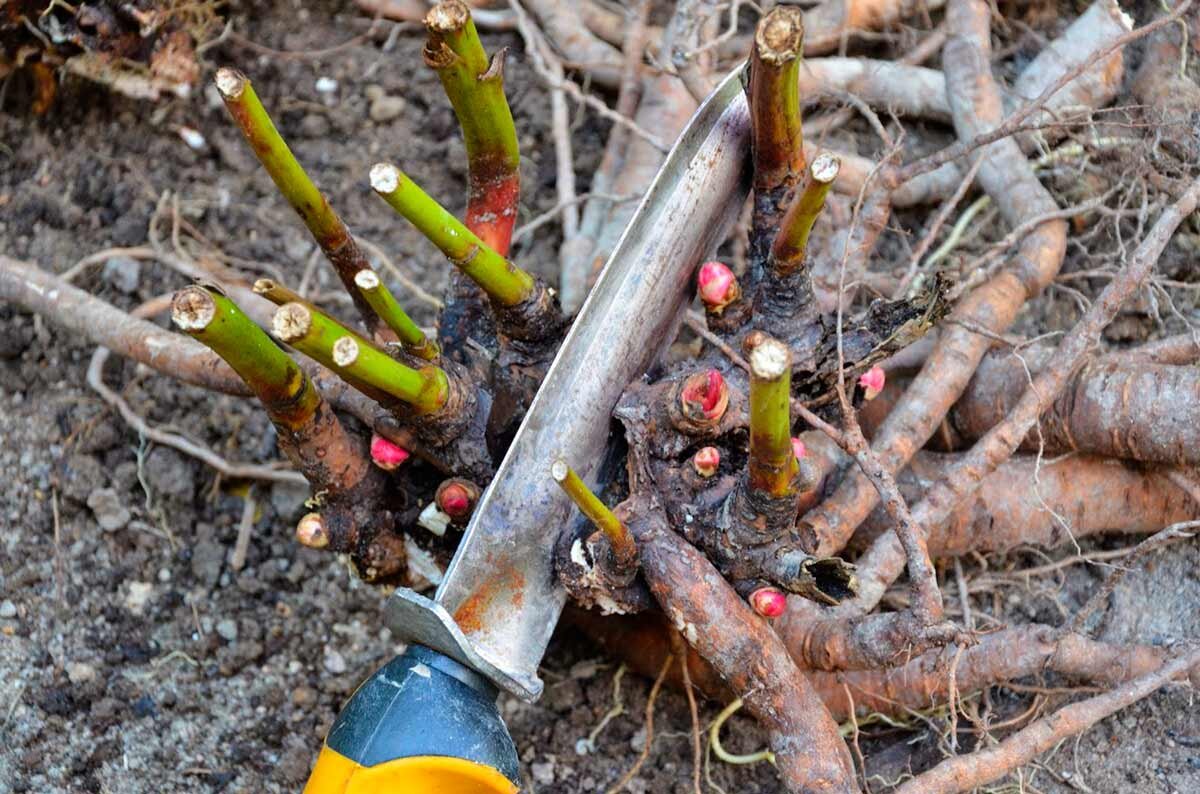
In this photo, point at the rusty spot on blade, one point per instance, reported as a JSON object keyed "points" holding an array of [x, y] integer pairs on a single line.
{"points": [[506, 586]]}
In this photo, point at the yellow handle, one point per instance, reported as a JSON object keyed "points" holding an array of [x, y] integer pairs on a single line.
{"points": [[334, 773]]}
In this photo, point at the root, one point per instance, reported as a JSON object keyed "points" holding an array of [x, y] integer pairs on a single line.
{"points": [[983, 766]]}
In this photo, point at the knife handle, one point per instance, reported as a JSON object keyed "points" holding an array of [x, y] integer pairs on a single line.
{"points": [[422, 723]]}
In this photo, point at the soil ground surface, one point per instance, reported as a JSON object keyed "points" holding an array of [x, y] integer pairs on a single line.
{"points": [[136, 659]]}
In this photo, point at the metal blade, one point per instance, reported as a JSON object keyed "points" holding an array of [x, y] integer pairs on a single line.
{"points": [[499, 602]]}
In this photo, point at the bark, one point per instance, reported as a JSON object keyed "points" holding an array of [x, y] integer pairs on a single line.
{"points": [[1022, 504], [1148, 412]]}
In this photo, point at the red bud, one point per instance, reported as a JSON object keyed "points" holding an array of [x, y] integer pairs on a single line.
{"points": [[705, 396], [455, 499], [718, 286], [769, 602], [707, 461], [798, 449], [872, 382], [387, 455]]}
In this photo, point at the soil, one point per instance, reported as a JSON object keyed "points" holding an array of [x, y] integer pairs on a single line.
{"points": [[134, 658]]}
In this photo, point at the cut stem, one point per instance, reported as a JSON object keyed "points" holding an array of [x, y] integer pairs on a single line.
{"points": [[504, 282], [376, 293], [209, 317], [791, 241], [620, 539], [475, 88], [357, 361], [289, 176], [772, 465], [777, 138], [309, 432], [276, 293]]}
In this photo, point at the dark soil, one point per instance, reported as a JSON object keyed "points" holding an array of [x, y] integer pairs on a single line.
{"points": [[137, 660]]}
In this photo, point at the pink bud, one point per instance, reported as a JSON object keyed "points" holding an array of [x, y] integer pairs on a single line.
{"points": [[872, 382], [387, 455], [798, 449], [707, 461], [705, 396], [454, 499], [769, 602], [718, 286]]}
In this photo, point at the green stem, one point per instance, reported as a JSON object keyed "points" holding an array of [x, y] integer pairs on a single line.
{"points": [[276, 293], [357, 361], [475, 88], [289, 176], [620, 539], [777, 137], [208, 316], [504, 282], [376, 293], [791, 241], [772, 466]]}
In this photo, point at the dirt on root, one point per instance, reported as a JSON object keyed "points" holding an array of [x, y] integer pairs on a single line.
{"points": [[133, 657]]}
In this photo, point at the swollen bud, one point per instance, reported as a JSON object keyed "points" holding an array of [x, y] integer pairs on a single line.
{"points": [[311, 532], [770, 602], [387, 455], [872, 382], [707, 461], [717, 286], [456, 498], [704, 397]]}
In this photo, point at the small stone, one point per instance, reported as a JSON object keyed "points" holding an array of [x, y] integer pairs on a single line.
{"points": [[170, 474], [334, 661], [288, 498], [138, 597], [386, 108], [326, 85], [79, 476], [8, 610], [193, 138], [79, 673], [314, 125], [106, 506], [543, 772], [227, 629], [373, 92], [304, 696], [123, 273]]}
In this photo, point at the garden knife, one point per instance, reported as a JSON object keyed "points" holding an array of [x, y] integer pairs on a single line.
{"points": [[427, 721]]}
